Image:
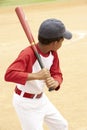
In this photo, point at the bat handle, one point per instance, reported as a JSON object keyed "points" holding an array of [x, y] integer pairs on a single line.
{"points": [[42, 66], [51, 89], [38, 56], [40, 63]]}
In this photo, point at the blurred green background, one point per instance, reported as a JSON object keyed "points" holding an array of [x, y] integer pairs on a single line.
{"points": [[23, 2]]}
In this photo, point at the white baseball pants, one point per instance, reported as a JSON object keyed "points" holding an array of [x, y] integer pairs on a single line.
{"points": [[32, 113]]}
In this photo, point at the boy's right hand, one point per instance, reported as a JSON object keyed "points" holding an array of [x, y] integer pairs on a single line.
{"points": [[43, 74]]}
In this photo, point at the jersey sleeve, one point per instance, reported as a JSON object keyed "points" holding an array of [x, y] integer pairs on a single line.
{"points": [[56, 71], [17, 72]]}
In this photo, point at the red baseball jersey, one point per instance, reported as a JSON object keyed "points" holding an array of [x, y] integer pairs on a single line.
{"points": [[26, 63]]}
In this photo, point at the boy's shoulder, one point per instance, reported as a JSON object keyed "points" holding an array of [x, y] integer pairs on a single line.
{"points": [[27, 53], [28, 50]]}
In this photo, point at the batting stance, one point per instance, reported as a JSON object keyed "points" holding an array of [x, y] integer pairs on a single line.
{"points": [[30, 102]]}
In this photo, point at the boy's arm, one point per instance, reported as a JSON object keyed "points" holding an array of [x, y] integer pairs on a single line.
{"points": [[56, 71], [16, 72]]}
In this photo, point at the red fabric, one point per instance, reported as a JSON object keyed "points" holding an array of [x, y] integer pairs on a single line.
{"points": [[55, 69], [27, 95], [18, 71]]}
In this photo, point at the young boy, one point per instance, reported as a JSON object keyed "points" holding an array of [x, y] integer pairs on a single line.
{"points": [[30, 102]]}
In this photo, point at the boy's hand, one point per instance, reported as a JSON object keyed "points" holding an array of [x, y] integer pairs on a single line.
{"points": [[51, 83], [43, 74]]}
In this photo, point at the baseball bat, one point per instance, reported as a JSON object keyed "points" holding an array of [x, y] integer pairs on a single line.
{"points": [[23, 20]]}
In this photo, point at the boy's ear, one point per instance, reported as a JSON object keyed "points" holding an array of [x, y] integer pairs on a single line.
{"points": [[55, 42]]}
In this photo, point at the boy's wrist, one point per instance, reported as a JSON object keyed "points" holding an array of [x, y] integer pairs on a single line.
{"points": [[32, 76]]}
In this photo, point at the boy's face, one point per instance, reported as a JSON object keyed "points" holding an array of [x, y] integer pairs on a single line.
{"points": [[56, 45]]}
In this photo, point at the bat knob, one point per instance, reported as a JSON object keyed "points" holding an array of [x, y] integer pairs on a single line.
{"points": [[51, 89]]}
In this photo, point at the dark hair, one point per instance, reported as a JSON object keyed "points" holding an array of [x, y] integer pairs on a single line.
{"points": [[48, 41]]}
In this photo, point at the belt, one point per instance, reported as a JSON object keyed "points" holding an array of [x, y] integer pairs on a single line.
{"points": [[27, 95]]}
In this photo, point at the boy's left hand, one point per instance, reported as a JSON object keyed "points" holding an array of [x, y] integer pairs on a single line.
{"points": [[51, 83]]}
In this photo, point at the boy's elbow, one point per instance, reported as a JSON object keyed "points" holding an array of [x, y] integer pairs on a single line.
{"points": [[6, 77]]}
